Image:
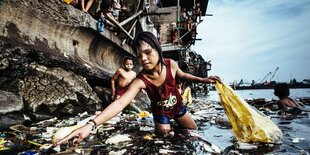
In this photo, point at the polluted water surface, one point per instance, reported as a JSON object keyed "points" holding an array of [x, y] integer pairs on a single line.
{"points": [[133, 133]]}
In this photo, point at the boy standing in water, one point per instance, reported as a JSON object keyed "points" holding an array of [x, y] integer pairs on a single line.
{"points": [[123, 77], [158, 79]]}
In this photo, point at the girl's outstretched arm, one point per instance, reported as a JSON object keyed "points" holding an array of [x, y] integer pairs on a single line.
{"points": [[189, 77], [113, 109]]}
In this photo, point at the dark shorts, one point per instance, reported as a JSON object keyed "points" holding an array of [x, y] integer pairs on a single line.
{"points": [[121, 91], [162, 119]]}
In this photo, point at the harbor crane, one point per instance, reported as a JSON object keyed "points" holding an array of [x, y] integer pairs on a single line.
{"points": [[265, 77], [270, 73], [274, 73]]}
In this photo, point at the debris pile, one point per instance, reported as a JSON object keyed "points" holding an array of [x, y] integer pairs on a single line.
{"points": [[133, 133]]}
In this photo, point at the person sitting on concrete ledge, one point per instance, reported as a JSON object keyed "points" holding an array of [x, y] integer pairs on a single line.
{"points": [[83, 7], [71, 2]]}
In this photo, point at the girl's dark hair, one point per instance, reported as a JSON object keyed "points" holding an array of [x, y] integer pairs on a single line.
{"points": [[149, 38], [282, 90], [127, 58]]}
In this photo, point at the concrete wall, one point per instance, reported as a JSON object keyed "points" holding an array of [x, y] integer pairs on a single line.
{"points": [[63, 29]]}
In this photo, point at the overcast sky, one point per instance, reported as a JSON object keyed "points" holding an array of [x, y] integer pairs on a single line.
{"points": [[247, 39]]}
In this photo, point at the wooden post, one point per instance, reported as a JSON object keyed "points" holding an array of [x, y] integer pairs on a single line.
{"points": [[131, 28], [130, 18], [119, 26]]}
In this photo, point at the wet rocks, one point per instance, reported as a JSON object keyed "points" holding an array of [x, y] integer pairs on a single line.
{"points": [[51, 87], [46, 83], [9, 102], [55, 61], [10, 119], [223, 122]]}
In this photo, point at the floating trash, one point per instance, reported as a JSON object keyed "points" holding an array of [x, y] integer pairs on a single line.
{"points": [[297, 140], [129, 134], [149, 137], [209, 147], [166, 151], [23, 129], [63, 132], [5, 144], [117, 152], [144, 114], [246, 146], [29, 153], [117, 139]]}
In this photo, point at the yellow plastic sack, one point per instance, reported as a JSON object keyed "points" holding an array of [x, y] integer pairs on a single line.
{"points": [[187, 97], [248, 124], [67, 1]]}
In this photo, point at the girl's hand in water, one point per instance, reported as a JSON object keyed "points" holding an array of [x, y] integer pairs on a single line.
{"points": [[79, 133]]}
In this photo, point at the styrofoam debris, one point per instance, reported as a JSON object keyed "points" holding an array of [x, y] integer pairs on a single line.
{"points": [[297, 140], [117, 139], [246, 146], [114, 120], [146, 128], [63, 132], [166, 151], [117, 152]]}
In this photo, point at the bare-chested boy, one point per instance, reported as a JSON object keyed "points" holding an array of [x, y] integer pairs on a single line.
{"points": [[285, 102], [123, 77]]}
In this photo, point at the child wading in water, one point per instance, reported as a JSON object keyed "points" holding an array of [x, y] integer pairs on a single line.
{"points": [[285, 102], [158, 79], [123, 76]]}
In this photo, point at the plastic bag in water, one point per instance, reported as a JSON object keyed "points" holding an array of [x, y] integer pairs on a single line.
{"points": [[248, 124]]}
